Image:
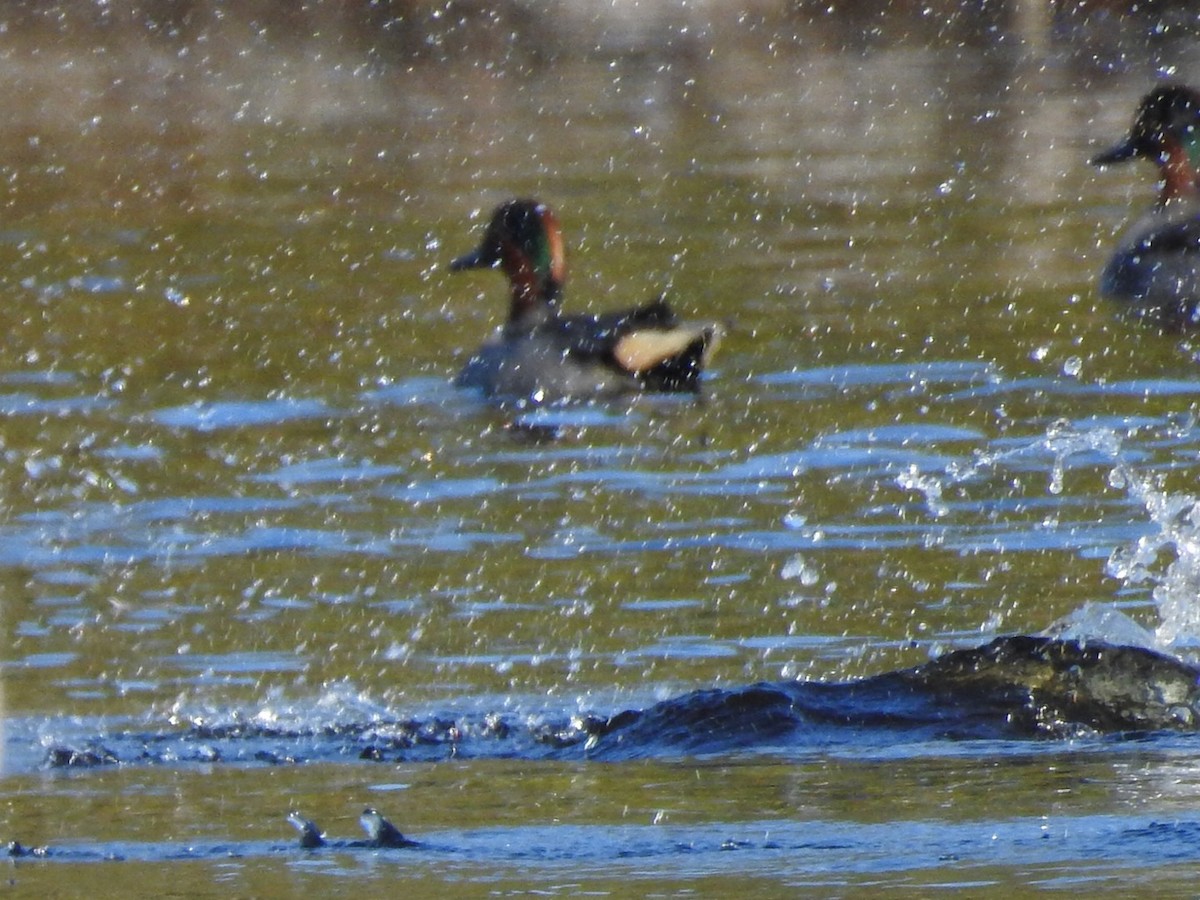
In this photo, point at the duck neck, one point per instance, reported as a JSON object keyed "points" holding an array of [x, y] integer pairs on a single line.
{"points": [[534, 299], [532, 257], [1178, 167]]}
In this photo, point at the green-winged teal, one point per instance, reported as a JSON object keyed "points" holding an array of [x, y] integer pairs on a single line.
{"points": [[1155, 269], [541, 355]]}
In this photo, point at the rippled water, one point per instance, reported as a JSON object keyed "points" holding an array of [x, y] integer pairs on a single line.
{"points": [[248, 520]]}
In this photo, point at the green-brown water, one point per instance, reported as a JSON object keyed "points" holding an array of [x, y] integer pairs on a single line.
{"points": [[238, 486]]}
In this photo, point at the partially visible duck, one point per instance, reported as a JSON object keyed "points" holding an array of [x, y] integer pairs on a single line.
{"points": [[311, 836], [1156, 266], [381, 832], [541, 355]]}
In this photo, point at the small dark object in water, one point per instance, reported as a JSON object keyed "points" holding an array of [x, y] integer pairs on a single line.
{"points": [[310, 835], [382, 832], [69, 758], [16, 850], [276, 759], [495, 726]]}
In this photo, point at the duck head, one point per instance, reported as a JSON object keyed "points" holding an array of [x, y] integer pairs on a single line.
{"points": [[523, 239], [1166, 131]]}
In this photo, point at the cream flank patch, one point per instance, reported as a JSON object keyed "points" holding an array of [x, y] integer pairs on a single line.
{"points": [[643, 350]]}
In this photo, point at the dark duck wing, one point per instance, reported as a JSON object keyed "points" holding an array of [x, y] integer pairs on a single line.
{"points": [[648, 343]]}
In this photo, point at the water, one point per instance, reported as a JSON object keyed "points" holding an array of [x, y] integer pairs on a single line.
{"points": [[251, 531]]}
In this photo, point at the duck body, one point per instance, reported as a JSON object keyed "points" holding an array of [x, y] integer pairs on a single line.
{"points": [[541, 355], [578, 357], [1155, 270]]}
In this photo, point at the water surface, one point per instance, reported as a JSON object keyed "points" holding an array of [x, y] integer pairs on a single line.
{"points": [[238, 486]]}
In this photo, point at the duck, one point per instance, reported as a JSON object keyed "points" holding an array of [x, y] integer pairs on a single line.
{"points": [[311, 836], [380, 832], [541, 355], [1155, 270]]}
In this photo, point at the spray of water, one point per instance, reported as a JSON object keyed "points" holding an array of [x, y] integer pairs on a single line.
{"points": [[1166, 557]]}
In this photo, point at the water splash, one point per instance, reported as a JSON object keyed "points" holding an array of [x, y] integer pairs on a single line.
{"points": [[1102, 622], [1063, 441], [1168, 557], [800, 568], [930, 485], [1064, 444]]}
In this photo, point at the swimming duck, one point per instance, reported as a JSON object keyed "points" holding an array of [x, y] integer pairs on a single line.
{"points": [[381, 832], [311, 836], [1156, 267], [541, 355]]}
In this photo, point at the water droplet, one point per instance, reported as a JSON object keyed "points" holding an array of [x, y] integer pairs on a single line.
{"points": [[798, 567]]}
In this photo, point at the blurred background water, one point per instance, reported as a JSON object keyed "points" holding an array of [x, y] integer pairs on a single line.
{"points": [[239, 487]]}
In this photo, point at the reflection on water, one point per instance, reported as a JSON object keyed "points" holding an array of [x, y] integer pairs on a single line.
{"points": [[238, 484]]}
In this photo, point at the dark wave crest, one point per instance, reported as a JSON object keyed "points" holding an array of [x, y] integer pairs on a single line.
{"points": [[1019, 687], [1014, 688]]}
